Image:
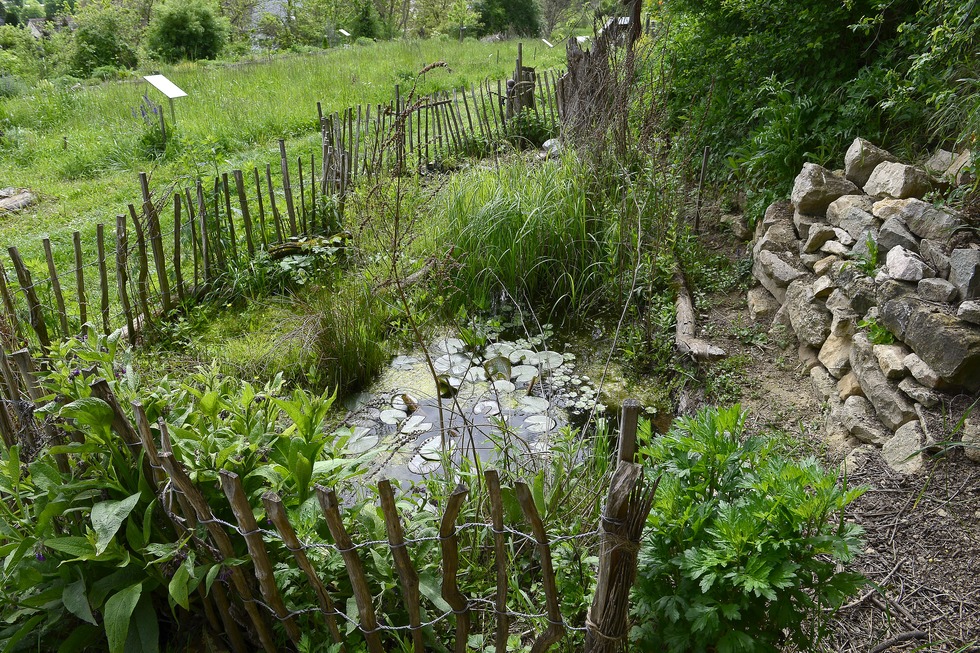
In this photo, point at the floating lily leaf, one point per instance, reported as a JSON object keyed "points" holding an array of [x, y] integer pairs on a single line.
{"points": [[539, 424], [498, 368], [393, 416], [520, 356], [533, 405]]}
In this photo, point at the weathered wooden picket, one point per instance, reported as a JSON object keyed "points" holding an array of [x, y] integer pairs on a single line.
{"points": [[251, 589], [151, 265]]}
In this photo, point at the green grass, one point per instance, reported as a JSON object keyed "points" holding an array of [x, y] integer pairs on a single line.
{"points": [[232, 117]]}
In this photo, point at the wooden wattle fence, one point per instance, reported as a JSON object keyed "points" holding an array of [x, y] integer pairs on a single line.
{"points": [[179, 242], [250, 588]]}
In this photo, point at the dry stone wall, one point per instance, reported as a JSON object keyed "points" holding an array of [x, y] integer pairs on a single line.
{"points": [[857, 255]]}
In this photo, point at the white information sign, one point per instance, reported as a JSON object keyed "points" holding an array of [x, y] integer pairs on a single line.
{"points": [[165, 86], [344, 32]]}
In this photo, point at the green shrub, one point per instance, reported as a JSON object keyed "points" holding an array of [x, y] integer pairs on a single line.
{"points": [[102, 39], [187, 29], [742, 546]]}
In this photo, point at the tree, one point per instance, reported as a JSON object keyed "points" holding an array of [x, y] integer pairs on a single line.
{"points": [[365, 22], [104, 37], [186, 29], [509, 16]]}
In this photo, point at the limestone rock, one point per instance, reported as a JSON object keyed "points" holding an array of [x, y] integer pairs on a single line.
{"points": [[835, 355], [936, 290], [811, 260], [860, 420], [776, 213], [891, 360], [816, 187], [854, 221], [891, 406], [922, 219], [779, 237], [862, 247], [971, 439], [948, 345], [808, 357], [823, 287], [17, 202], [808, 315], [939, 162], [845, 238], [906, 266], [894, 233], [862, 158], [964, 272], [804, 222], [903, 451], [817, 236], [958, 171], [922, 372], [969, 311], [822, 266], [848, 386], [835, 247], [822, 383], [762, 305], [896, 302], [737, 224], [776, 272], [845, 203], [933, 252], [918, 392], [897, 180]]}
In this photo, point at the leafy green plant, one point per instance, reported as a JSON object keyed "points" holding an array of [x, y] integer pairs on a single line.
{"points": [[878, 334], [742, 546]]}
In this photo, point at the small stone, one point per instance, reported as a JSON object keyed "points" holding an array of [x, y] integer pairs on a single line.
{"points": [[804, 222], [860, 420], [894, 233], [897, 180], [822, 266], [958, 171], [808, 357], [922, 372], [835, 247], [762, 305], [808, 315], [969, 311], [970, 437], [816, 187], [918, 392], [936, 290], [811, 260], [939, 162], [891, 406], [891, 360], [861, 159], [822, 383], [858, 459], [822, 287], [835, 355], [818, 235], [922, 219], [845, 238], [903, 452], [848, 386], [964, 272], [906, 266], [855, 221], [780, 237], [932, 253], [775, 272]]}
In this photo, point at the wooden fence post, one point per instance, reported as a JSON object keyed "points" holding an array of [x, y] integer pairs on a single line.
{"points": [[276, 513], [627, 506], [27, 285], [122, 276], [156, 241], [231, 485], [142, 268], [76, 239], [450, 567], [246, 216], [8, 304], [355, 570], [184, 485], [406, 572], [26, 366], [103, 278], [287, 189], [500, 560], [556, 626], [178, 273], [59, 298]]}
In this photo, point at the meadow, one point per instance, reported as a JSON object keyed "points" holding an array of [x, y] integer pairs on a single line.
{"points": [[79, 148]]}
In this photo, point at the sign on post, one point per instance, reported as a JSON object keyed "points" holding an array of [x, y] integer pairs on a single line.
{"points": [[168, 88]]}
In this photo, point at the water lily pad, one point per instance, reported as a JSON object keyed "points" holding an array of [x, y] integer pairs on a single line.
{"points": [[549, 360], [416, 425], [475, 375], [452, 364], [520, 355], [498, 368], [431, 449], [362, 440], [539, 424], [393, 416], [404, 362], [499, 349], [488, 408], [450, 345], [522, 374], [504, 387], [421, 466], [534, 404]]}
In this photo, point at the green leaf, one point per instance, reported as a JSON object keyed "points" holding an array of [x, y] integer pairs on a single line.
{"points": [[108, 516], [79, 547], [76, 601], [80, 638], [211, 575], [118, 611], [145, 637], [90, 411], [429, 586], [180, 583], [23, 632]]}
